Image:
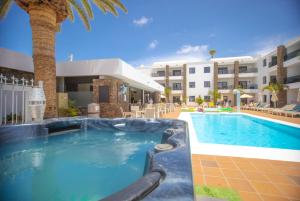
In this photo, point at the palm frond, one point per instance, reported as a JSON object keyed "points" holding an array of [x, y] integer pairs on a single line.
{"points": [[81, 13], [87, 6], [70, 13], [100, 5], [110, 7], [4, 7], [120, 5]]}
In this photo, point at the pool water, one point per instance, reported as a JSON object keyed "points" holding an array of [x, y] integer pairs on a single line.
{"points": [[243, 130], [78, 165]]}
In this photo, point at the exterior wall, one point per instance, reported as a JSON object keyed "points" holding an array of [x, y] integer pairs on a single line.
{"points": [[184, 84], [199, 77], [112, 108]]}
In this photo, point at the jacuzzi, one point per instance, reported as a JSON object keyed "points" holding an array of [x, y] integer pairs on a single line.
{"points": [[96, 159]]}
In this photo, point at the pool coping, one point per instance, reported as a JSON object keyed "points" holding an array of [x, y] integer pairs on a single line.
{"points": [[235, 150]]}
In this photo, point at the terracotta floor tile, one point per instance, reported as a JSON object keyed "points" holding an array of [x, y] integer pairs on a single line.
{"points": [[281, 179], [240, 185], [240, 160], [223, 158], [246, 196], [209, 163], [273, 198], [246, 167], [207, 157], [291, 171], [199, 179], [291, 191], [216, 172], [265, 188], [227, 165], [295, 179], [255, 176], [216, 181], [228, 173]]}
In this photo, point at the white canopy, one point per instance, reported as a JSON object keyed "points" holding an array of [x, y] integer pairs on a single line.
{"points": [[246, 96]]}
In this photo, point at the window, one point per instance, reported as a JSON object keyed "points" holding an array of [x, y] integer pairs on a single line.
{"points": [[264, 79], [206, 98], [242, 69], [222, 85], [264, 62], [192, 84], [223, 70], [265, 98], [192, 70], [243, 84], [161, 73], [191, 98], [273, 79], [176, 86], [176, 72], [206, 84], [103, 94], [207, 69]]}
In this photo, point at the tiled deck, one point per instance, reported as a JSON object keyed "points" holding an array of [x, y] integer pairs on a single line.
{"points": [[254, 179]]}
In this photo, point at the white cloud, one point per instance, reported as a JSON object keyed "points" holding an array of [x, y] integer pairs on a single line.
{"points": [[188, 49], [266, 45], [153, 44], [142, 21], [186, 52]]}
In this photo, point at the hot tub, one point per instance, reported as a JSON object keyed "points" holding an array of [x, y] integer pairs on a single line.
{"points": [[96, 159]]}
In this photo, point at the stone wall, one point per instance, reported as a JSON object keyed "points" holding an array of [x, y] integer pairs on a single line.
{"points": [[184, 96], [281, 75], [113, 107], [215, 81], [236, 78], [167, 73]]}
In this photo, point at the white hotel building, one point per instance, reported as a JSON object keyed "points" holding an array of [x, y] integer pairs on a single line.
{"points": [[191, 79]]}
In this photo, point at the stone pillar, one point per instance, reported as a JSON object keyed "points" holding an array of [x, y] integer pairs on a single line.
{"points": [[184, 84], [167, 74], [281, 75], [215, 81], [156, 97], [112, 108], [236, 66]]}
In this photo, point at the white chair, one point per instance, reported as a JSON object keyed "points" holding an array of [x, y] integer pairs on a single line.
{"points": [[149, 113]]}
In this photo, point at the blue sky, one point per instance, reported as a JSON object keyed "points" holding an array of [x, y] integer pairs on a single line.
{"points": [[155, 30]]}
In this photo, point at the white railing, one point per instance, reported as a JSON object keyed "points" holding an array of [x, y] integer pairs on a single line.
{"points": [[14, 100]]}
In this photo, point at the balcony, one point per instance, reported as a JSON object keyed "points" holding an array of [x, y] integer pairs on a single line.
{"points": [[225, 89], [225, 73], [158, 75], [292, 79], [292, 59], [292, 55], [250, 72]]}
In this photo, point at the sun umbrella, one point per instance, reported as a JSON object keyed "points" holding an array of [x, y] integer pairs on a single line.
{"points": [[246, 96], [298, 97]]}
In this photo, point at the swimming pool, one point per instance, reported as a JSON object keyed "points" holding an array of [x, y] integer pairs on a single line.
{"points": [[92, 159], [244, 130]]}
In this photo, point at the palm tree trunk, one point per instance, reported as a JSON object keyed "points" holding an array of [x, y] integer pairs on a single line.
{"points": [[43, 26]]}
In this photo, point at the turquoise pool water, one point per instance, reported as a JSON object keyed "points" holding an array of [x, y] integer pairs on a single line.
{"points": [[234, 129], [74, 166]]}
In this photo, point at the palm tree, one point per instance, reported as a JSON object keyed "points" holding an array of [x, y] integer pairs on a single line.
{"points": [[274, 88], [45, 19], [167, 93], [215, 94], [212, 52]]}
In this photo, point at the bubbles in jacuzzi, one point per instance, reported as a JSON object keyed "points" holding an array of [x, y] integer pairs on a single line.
{"points": [[120, 133]]}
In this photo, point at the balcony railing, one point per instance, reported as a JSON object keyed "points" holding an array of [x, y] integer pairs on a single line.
{"points": [[292, 55], [225, 87], [292, 79], [222, 72], [177, 88], [175, 74], [158, 75], [250, 86], [250, 70]]}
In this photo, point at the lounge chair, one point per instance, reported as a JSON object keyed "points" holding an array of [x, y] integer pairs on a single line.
{"points": [[282, 110], [264, 108], [125, 114], [149, 113]]}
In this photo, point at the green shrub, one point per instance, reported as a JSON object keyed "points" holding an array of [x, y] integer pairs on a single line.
{"points": [[218, 192]]}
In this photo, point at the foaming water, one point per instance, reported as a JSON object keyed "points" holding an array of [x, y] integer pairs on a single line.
{"points": [[74, 166]]}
